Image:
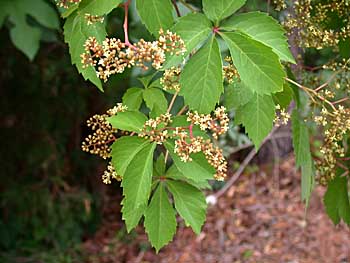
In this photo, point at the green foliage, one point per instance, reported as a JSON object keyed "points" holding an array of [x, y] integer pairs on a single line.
{"points": [[155, 101], [160, 221], [220, 9], [77, 31], [236, 95], [190, 203], [257, 65], [336, 200], [26, 36], [303, 159], [155, 14], [197, 170], [193, 29], [128, 121], [133, 98], [257, 117], [201, 79], [263, 28]]}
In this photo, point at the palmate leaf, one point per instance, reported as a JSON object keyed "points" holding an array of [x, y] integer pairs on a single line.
{"points": [[336, 200], [190, 203], [201, 79], [160, 220], [263, 28], [220, 9], [128, 121], [257, 117], [197, 170], [24, 36], [258, 66], [193, 30], [155, 14]]}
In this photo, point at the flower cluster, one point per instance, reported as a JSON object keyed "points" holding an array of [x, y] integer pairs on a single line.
{"points": [[113, 56], [185, 145], [110, 174], [66, 3], [230, 72], [103, 133], [312, 23], [218, 124], [171, 79], [91, 19], [336, 125], [282, 117], [279, 5], [156, 129]]}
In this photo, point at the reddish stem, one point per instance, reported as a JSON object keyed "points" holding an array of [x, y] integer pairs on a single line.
{"points": [[176, 8], [191, 130], [125, 26], [216, 29]]}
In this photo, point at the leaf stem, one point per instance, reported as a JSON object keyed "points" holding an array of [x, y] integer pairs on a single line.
{"points": [[125, 25], [176, 8], [172, 102]]}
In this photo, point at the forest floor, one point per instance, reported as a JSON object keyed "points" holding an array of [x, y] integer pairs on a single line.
{"points": [[259, 219]]}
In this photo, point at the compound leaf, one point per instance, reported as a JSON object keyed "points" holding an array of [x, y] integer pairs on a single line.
{"points": [[155, 101]]}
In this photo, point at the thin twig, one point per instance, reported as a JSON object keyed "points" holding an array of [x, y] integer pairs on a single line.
{"points": [[184, 108], [172, 102], [340, 101], [176, 8], [188, 5], [125, 25]]}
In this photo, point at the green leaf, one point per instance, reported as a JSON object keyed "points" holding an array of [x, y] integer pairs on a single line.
{"points": [[76, 32], [137, 181], [220, 9], [344, 47], [237, 94], [257, 65], [284, 97], [132, 215], [190, 203], [155, 14], [159, 165], [124, 150], [301, 140], [202, 80], [133, 98], [98, 7], [193, 30], [263, 28], [128, 121], [257, 117], [155, 101], [197, 170], [307, 180], [26, 37], [303, 159], [160, 220], [175, 174], [336, 200]]}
